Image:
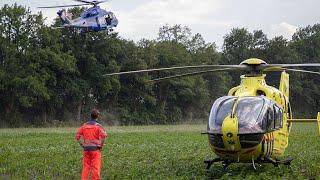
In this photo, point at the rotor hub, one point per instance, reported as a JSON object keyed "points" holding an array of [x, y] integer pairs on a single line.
{"points": [[253, 61]]}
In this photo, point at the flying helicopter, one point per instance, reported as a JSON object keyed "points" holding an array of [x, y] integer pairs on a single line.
{"points": [[252, 123], [91, 20]]}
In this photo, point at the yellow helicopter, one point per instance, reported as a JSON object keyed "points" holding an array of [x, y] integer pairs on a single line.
{"points": [[252, 123]]}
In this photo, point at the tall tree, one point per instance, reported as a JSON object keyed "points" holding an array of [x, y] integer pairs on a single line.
{"points": [[30, 65], [306, 43]]}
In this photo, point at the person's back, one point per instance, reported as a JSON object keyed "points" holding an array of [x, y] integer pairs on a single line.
{"points": [[93, 136]]}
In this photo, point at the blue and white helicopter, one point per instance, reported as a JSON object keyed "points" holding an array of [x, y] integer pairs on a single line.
{"points": [[93, 19]]}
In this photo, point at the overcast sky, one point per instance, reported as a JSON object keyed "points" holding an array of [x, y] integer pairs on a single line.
{"points": [[212, 18]]}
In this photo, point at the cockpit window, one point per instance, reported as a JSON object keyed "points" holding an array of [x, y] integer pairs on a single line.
{"points": [[277, 117], [109, 18], [255, 114], [219, 111], [223, 110], [248, 113], [94, 12]]}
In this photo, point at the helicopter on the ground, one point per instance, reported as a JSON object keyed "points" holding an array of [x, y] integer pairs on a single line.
{"points": [[93, 19], [252, 123]]}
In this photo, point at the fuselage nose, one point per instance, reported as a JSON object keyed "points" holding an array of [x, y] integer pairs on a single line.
{"points": [[230, 133], [236, 136]]}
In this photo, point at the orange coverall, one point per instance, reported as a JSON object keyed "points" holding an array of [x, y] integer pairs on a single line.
{"points": [[93, 135]]}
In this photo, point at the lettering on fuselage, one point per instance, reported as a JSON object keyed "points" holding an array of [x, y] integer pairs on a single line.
{"points": [[231, 142]]}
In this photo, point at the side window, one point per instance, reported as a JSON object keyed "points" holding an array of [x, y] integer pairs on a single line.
{"points": [[223, 110], [270, 119], [281, 118], [94, 13], [278, 117]]}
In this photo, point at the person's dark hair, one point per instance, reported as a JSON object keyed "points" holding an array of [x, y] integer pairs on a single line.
{"points": [[95, 114]]}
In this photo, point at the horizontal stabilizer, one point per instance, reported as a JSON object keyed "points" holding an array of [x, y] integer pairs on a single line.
{"points": [[307, 121]]}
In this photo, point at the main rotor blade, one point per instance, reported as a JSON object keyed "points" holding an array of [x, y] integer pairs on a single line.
{"points": [[281, 67], [63, 6], [179, 67], [293, 70], [303, 71], [189, 74], [98, 2], [91, 2], [264, 67], [290, 65]]}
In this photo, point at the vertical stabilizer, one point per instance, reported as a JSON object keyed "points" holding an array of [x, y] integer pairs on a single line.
{"points": [[284, 83], [318, 120]]}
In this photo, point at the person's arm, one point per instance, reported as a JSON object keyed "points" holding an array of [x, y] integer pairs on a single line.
{"points": [[102, 142], [78, 136], [103, 136]]}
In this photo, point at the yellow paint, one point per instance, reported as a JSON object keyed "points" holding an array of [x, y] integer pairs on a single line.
{"points": [[284, 83], [274, 143], [255, 61], [318, 118], [230, 134]]}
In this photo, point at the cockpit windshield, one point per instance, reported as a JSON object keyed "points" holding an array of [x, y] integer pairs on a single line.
{"points": [[254, 114], [219, 111], [248, 113]]}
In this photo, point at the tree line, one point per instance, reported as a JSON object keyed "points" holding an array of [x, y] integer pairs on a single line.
{"points": [[50, 76]]}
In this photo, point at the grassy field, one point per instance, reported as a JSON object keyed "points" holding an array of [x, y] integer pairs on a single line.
{"points": [[145, 152]]}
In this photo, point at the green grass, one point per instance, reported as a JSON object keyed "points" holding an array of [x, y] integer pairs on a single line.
{"points": [[145, 152]]}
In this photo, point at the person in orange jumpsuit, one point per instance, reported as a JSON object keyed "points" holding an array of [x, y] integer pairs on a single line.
{"points": [[91, 136]]}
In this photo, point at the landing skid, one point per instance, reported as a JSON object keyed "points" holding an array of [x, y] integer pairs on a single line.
{"points": [[211, 161], [276, 162], [226, 163]]}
